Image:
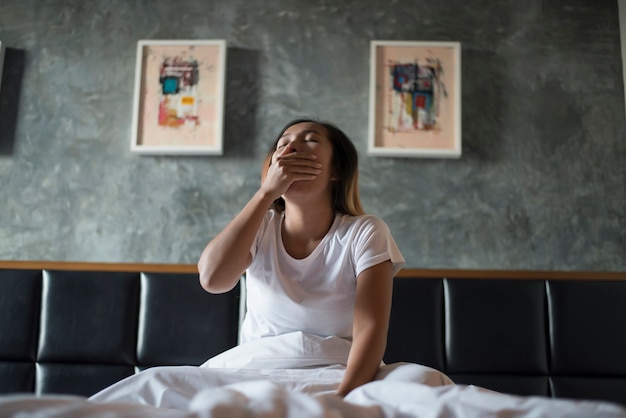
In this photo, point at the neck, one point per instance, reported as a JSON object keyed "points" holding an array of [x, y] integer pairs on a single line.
{"points": [[305, 227], [307, 223], [310, 224]]}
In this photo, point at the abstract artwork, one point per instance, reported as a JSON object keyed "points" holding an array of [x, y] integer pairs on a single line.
{"points": [[179, 97], [415, 99]]}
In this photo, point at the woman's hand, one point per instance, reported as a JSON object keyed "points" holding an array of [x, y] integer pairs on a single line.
{"points": [[288, 167]]}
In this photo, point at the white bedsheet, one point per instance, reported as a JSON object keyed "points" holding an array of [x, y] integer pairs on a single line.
{"points": [[295, 376], [402, 391]]}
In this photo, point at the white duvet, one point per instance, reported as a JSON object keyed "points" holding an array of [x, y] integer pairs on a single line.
{"points": [[246, 382]]}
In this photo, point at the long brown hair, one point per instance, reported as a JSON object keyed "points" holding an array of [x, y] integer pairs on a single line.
{"points": [[345, 165]]}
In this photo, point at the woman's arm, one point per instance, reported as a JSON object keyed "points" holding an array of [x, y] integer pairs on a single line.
{"points": [[371, 322], [226, 257]]}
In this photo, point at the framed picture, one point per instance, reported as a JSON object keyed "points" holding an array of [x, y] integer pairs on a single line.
{"points": [[179, 97], [415, 99]]}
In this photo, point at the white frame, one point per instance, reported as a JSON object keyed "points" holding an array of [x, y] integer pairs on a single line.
{"points": [[216, 133], [373, 149]]}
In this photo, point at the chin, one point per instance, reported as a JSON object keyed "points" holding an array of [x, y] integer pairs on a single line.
{"points": [[302, 192]]}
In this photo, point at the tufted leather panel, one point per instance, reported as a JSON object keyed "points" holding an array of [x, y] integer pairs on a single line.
{"points": [[78, 378], [490, 322], [180, 323], [416, 324], [587, 336], [77, 331], [20, 298], [89, 317], [17, 377], [598, 388], [514, 384]]}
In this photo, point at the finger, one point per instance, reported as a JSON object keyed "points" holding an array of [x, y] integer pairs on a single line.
{"points": [[295, 155], [293, 167]]}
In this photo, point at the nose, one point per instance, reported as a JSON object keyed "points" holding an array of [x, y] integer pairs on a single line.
{"points": [[291, 147]]}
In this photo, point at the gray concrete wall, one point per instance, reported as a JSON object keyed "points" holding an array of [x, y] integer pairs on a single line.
{"points": [[541, 183]]}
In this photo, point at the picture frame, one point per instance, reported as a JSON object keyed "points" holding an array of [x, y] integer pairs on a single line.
{"points": [[415, 99], [178, 101]]}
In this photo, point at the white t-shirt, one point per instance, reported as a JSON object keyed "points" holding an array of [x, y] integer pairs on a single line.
{"points": [[316, 294]]}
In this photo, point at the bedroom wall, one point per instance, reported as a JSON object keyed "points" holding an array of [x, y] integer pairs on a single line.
{"points": [[541, 183]]}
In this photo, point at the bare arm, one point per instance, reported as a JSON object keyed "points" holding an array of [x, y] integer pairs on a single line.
{"points": [[371, 322], [226, 257]]}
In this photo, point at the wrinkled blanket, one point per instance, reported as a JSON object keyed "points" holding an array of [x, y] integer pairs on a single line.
{"points": [[401, 390]]}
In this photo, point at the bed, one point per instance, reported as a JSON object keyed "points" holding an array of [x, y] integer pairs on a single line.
{"points": [[461, 343]]}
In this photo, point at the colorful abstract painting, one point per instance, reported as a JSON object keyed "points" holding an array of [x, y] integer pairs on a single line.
{"points": [[417, 90], [415, 99], [179, 96], [178, 101]]}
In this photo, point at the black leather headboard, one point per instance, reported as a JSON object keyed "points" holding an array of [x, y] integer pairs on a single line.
{"points": [[561, 338], [80, 331], [77, 328]]}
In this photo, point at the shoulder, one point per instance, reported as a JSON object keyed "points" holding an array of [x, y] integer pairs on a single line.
{"points": [[359, 228], [370, 241], [361, 223]]}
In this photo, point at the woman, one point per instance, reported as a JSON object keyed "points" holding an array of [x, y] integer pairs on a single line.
{"points": [[314, 263], [318, 282]]}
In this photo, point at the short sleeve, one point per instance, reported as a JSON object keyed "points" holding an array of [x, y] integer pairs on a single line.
{"points": [[374, 244], [267, 220]]}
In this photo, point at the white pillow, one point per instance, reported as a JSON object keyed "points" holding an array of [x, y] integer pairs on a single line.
{"points": [[294, 350]]}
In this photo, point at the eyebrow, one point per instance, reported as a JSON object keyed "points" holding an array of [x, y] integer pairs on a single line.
{"points": [[307, 131]]}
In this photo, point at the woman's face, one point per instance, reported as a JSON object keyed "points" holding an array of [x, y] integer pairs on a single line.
{"points": [[311, 138]]}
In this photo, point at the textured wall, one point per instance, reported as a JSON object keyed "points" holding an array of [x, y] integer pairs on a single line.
{"points": [[541, 183]]}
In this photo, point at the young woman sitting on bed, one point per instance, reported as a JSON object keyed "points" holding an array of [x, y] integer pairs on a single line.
{"points": [[314, 263], [318, 279]]}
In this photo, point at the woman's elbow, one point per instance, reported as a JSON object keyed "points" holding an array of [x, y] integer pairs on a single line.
{"points": [[212, 281], [205, 282], [206, 278], [211, 285]]}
